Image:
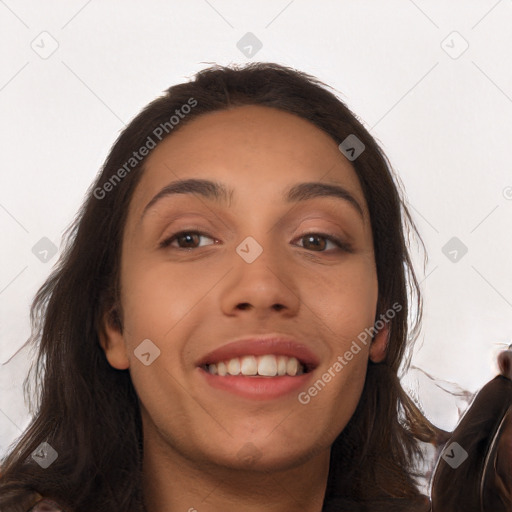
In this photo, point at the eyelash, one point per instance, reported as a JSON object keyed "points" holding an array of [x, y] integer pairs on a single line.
{"points": [[343, 246]]}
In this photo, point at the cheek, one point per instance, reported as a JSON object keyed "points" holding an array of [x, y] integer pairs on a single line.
{"points": [[163, 305], [346, 299], [346, 305], [156, 299]]}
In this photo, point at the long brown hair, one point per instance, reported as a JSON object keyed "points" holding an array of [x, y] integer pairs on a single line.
{"points": [[88, 412]]}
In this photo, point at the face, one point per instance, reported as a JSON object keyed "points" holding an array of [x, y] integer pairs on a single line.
{"points": [[199, 273]]}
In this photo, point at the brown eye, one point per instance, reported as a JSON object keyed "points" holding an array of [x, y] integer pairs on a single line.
{"points": [[185, 239], [314, 242], [317, 242]]}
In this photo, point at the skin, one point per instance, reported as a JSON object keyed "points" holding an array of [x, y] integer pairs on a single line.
{"points": [[206, 449]]}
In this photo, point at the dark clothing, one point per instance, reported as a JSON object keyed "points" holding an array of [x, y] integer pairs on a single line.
{"points": [[45, 506]]}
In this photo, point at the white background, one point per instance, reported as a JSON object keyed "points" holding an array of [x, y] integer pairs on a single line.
{"points": [[444, 122]]}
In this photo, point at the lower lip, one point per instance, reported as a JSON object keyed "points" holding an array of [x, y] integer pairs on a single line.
{"points": [[256, 388]]}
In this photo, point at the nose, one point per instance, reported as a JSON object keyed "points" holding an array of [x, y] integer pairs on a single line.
{"points": [[261, 288]]}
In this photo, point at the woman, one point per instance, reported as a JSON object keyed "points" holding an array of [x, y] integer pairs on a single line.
{"points": [[226, 324]]}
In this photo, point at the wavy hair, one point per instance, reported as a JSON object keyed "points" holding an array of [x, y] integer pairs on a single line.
{"points": [[88, 411]]}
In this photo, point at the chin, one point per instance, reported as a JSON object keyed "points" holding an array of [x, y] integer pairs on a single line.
{"points": [[269, 456]]}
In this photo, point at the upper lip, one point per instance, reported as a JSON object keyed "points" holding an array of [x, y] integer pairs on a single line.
{"points": [[260, 345]]}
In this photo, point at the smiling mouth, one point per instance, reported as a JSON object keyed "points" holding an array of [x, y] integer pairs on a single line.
{"points": [[268, 365]]}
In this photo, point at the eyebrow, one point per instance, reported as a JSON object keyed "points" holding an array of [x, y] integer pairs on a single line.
{"points": [[219, 193]]}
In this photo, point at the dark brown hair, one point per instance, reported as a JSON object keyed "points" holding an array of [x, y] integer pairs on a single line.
{"points": [[88, 411]]}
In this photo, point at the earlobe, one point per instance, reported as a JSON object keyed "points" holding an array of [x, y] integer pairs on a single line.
{"points": [[379, 346], [112, 341]]}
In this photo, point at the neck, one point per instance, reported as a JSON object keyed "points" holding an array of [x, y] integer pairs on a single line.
{"points": [[175, 483]]}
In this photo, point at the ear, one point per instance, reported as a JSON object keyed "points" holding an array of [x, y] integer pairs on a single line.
{"points": [[379, 346], [112, 340]]}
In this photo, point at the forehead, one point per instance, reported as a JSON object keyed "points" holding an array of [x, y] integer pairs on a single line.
{"points": [[256, 150]]}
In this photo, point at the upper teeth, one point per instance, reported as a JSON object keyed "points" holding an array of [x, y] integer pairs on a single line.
{"points": [[267, 366]]}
